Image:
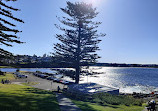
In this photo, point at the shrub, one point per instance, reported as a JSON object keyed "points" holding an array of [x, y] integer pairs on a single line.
{"points": [[104, 98], [2, 73]]}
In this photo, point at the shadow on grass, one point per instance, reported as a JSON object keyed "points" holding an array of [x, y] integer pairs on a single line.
{"points": [[37, 91], [106, 105], [86, 107], [112, 106], [85, 104], [31, 100]]}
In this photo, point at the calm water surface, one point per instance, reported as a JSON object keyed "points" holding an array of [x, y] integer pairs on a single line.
{"points": [[126, 79]]}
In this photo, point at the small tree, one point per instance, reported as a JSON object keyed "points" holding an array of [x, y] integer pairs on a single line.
{"points": [[7, 32], [79, 43]]}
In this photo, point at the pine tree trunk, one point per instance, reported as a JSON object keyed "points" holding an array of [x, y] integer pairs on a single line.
{"points": [[77, 75], [78, 55]]}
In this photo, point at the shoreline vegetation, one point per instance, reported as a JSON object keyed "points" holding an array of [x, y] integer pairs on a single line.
{"points": [[89, 106], [108, 102]]}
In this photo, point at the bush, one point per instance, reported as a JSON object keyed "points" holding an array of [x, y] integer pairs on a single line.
{"points": [[2, 73], [104, 98]]}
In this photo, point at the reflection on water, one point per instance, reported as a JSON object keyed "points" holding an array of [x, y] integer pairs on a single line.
{"points": [[126, 79]]}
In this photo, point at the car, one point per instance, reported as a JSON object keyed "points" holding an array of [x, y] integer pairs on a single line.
{"points": [[22, 76], [36, 74], [65, 82], [50, 78], [56, 80], [60, 81], [43, 76]]}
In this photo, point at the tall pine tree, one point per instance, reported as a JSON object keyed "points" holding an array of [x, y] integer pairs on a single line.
{"points": [[79, 43], [8, 32]]}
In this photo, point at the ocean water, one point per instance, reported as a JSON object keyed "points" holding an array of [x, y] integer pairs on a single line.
{"points": [[128, 80]]}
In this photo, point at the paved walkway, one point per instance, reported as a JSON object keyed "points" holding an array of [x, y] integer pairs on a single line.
{"points": [[145, 109], [43, 83], [66, 104]]}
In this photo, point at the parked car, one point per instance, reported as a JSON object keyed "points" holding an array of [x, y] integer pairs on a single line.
{"points": [[50, 78], [65, 82], [56, 80], [36, 74], [22, 76], [60, 81], [43, 76]]}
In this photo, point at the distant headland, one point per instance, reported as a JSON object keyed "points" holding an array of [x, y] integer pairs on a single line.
{"points": [[127, 65], [45, 61]]}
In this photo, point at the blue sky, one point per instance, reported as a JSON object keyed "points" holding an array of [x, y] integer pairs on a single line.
{"points": [[131, 27]]}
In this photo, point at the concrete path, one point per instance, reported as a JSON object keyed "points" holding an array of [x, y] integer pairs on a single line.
{"points": [[42, 83], [145, 109], [18, 83], [66, 104]]}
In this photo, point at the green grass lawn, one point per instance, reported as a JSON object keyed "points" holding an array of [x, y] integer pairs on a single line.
{"points": [[25, 98], [87, 106], [7, 76]]}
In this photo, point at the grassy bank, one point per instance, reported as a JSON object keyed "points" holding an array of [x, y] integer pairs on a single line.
{"points": [[88, 106], [107, 102], [25, 98], [7, 76], [103, 98]]}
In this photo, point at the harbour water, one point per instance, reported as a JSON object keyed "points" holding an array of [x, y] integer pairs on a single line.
{"points": [[128, 80]]}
